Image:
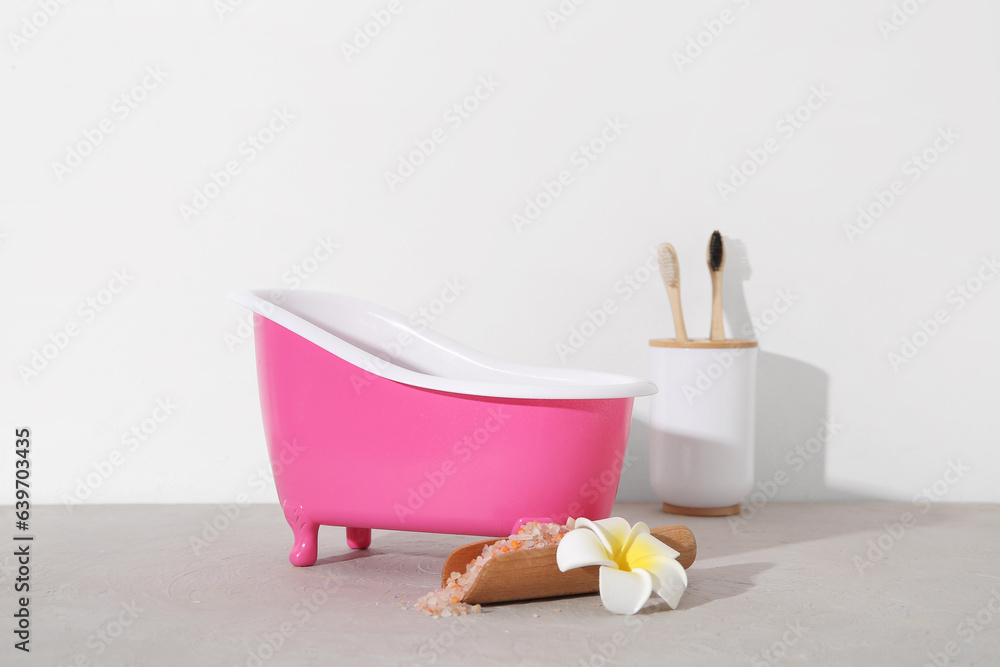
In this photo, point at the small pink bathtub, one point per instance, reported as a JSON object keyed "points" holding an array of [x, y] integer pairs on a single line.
{"points": [[374, 422]]}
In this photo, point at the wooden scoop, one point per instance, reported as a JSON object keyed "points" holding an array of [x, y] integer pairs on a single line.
{"points": [[528, 574]]}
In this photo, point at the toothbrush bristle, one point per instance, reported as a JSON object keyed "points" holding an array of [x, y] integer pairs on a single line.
{"points": [[715, 251], [668, 265]]}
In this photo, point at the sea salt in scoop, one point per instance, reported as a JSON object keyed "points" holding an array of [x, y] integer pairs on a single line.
{"points": [[450, 599], [483, 572]]}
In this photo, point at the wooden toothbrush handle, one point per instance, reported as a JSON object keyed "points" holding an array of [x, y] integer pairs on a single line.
{"points": [[680, 331], [718, 329]]}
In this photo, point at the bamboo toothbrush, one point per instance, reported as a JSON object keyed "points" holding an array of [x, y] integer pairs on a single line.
{"points": [[716, 260], [670, 271]]}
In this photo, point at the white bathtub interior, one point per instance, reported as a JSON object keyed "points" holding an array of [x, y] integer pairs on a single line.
{"points": [[389, 345]]}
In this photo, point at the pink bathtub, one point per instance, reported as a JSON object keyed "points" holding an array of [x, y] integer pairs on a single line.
{"points": [[374, 422]]}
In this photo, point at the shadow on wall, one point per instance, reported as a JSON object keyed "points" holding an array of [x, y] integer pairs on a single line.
{"points": [[794, 426]]}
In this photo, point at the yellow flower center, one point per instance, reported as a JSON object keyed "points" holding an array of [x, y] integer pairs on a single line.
{"points": [[633, 557]]}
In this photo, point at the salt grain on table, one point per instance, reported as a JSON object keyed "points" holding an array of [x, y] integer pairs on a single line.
{"points": [[447, 601]]}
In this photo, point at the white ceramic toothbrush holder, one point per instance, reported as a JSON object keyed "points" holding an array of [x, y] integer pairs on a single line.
{"points": [[702, 424]]}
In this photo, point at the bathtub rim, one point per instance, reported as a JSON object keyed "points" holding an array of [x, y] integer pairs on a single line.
{"points": [[579, 384]]}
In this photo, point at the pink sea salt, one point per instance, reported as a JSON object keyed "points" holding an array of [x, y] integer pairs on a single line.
{"points": [[447, 601]]}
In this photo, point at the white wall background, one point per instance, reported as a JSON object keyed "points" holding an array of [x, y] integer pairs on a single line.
{"points": [[164, 336]]}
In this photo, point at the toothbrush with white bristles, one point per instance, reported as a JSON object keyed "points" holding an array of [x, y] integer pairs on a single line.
{"points": [[716, 260], [670, 271]]}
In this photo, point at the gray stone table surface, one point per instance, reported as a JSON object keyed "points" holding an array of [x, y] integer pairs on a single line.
{"points": [[839, 584]]}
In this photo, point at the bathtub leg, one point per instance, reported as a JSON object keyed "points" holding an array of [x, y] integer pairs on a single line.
{"points": [[359, 538], [306, 534], [304, 550]]}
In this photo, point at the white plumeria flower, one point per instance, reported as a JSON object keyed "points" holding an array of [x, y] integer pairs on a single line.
{"points": [[633, 563]]}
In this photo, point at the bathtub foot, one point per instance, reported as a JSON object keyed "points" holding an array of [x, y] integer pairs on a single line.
{"points": [[304, 550], [306, 534], [359, 538]]}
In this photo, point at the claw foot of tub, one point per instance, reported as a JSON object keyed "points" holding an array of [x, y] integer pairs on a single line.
{"points": [[304, 551], [306, 534], [359, 538]]}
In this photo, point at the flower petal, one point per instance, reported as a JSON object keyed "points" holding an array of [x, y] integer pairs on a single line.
{"points": [[645, 546], [613, 532], [669, 581], [580, 548], [625, 592], [638, 529]]}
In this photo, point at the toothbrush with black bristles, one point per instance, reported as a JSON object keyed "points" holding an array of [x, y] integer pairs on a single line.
{"points": [[716, 260]]}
